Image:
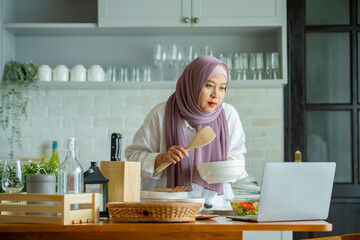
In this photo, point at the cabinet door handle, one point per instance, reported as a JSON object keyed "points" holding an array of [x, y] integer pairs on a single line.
{"points": [[195, 20], [186, 20]]}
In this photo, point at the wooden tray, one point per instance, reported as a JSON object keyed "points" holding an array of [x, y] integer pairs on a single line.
{"points": [[35, 208]]}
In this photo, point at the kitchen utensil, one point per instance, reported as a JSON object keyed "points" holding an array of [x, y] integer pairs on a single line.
{"points": [[96, 74], [124, 184], [116, 144], [221, 171], [44, 73], [78, 74], [203, 137], [175, 189], [147, 196], [61, 73]]}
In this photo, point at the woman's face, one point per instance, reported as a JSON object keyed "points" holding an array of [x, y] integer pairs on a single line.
{"points": [[213, 93]]}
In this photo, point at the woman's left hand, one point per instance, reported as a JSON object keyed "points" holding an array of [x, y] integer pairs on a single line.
{"points": [[229, 159]]}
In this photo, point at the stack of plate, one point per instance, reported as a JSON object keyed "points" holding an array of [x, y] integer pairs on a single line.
{"points": [[146, 196]]}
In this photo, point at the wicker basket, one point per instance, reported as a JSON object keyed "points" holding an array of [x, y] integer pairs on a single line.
{"points": [[153, 211]]}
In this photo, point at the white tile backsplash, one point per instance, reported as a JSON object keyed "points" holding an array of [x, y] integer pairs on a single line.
{"points": [[91, 116]]}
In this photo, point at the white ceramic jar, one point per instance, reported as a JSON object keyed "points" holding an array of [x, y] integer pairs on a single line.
{"points": [[61, 73], [78, 74], [44, 73], [96, 74]]}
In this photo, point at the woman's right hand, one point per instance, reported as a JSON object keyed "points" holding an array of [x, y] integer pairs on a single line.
{"points": [[173, 155]]}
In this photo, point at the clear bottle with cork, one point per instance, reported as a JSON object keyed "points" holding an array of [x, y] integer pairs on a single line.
{"points": [[54, 156], [70, 175]]}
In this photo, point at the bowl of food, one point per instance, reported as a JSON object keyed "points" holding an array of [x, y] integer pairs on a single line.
{"points": [[221, 171], [243, 207]]}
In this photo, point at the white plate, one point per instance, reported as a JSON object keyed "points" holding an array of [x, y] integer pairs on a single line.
{"points": [[162, 195]]}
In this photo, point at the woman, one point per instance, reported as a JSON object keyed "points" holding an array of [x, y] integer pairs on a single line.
{"points": [[169, 127]]}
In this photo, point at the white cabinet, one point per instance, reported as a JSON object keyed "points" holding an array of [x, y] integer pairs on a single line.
{"points": [[186, 13], [238, 12], [124, 32], [144, 13]]}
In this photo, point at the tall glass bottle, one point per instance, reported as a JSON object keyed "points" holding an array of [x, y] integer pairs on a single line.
{"points": [[70, 175], [54, 156]]}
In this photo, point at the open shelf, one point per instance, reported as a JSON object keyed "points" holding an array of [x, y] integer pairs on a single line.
{"points": [[152, 84]]}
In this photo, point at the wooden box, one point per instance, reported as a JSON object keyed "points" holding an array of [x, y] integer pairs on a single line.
{"points": [[21, 208], [124, 184]]}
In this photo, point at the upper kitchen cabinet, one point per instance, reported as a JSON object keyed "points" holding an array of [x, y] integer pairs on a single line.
{"points": [[144, 13], [41, 17], [125, 32], [187, 13], [235, 13]]}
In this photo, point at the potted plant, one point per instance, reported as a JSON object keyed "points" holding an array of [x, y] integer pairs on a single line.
{"points": [[18, 78]]}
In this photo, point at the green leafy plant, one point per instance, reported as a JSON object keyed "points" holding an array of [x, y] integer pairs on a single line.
{"points": [[32, 167], [12, 179], [17, 80]]}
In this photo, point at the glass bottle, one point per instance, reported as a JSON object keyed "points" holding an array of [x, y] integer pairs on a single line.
{"points": [[70, 175], [54, 156]]}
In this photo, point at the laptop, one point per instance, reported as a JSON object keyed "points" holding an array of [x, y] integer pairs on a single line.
{"points": [[293, 191]]}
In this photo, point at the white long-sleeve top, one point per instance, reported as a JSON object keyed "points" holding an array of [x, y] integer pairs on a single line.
{"points": [[150, 140]]}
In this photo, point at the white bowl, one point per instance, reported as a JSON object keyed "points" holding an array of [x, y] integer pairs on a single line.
{"points": [[161, 196], [220, 172]]}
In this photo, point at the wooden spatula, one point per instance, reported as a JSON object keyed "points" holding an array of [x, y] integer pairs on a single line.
{"points": [[203, 137]]}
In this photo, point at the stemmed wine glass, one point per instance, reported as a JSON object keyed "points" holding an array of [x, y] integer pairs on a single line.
{"points": [[160, 58], [12, 178]]}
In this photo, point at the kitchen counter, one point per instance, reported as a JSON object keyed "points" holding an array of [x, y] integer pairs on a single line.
{"points": [[216, 228]]}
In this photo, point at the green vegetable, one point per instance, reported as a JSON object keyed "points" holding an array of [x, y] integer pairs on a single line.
{"points": [[245, 208]]}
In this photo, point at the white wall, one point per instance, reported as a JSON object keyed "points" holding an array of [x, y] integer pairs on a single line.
{"points": [[93, 115]]}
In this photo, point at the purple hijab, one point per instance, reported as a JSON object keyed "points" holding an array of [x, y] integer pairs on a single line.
{"points": [[184, 104]]}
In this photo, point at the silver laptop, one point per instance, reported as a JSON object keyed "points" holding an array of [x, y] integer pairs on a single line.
{"points": [[294, 191]]}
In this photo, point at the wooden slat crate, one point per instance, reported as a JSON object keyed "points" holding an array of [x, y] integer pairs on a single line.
{"points": [[20, 208]]}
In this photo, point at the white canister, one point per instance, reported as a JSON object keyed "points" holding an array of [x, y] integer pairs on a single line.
{"points": [[78, 74], [61, 73], [44, 73], [96, 74]]}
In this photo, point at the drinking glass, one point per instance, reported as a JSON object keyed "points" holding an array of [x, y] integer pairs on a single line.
{"points": [[237, 67], [259, 66], [273, 65], [12, 180], [206, 51], [170, 61], [146, 73], [227, 59], [252, 65], [189, 54], [244, 66], [160, 58], [180, 62]]}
